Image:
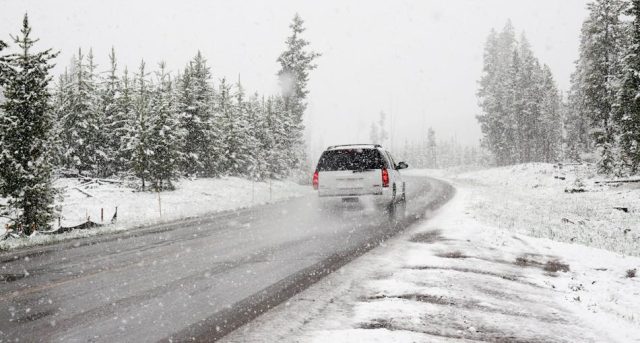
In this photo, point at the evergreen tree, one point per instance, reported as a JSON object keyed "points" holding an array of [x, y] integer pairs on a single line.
{"points": [[60, 104], [123, 123], [26, 125], [295, 64], [628, 115], [114, 123], [245, 129], [195, 104], [97, 141], [139, 139], [231, 133], [258, 136], [81, 121], [494, 93], [520, 118], [507, 95], [276, 147], [165, 138], [528, 84], [550, 132], [514, 106], [598, 67], [577, 124]]}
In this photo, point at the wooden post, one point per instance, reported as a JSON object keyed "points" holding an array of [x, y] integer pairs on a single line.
{"points": [[102, 214], [253, 190], [159, 205]]}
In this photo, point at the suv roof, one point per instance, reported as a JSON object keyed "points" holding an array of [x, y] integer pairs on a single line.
{"points": [[354, 146]]}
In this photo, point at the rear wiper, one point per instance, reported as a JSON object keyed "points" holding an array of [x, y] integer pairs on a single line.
{"points": [[360, 170]]}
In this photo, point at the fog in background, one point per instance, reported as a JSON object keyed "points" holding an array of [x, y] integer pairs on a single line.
{"points": [[418, 61]]}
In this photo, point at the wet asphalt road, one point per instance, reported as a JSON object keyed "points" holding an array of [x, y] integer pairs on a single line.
{"points": [[190, 280]]}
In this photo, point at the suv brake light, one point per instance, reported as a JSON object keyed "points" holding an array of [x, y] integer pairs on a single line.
{"points": [[385, 177], [316, 181]]}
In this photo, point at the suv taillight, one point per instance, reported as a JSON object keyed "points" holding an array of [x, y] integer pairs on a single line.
{"points": [[316, 181], [385, 177]]}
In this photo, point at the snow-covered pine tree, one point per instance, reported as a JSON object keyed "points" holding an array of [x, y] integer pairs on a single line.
{"points": [[295, 64], [259, 136], [165, 138], [265, 137], [25, 135], [231, 135], [576, 138], [98, 140], [512, 93], [549, 139], [245, 119], [577, 124], [628, 114], [601, 46], [60, 104], [527, 111], [235, 127], [494, 94], [114, 124], [138, 140], [81, 121], [279, 149], [191, 125], [195, 104], [123, 123]]}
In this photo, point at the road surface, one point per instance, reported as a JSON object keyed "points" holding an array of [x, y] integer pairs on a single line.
{"points": [[189, 280]]}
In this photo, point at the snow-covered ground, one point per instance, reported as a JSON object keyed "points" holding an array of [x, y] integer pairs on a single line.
{"points": [[531, 199], [467, 275], [86, 200]]}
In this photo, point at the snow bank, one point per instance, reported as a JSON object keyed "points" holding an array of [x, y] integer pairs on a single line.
{"points": [[192, 198], [566, 205]]}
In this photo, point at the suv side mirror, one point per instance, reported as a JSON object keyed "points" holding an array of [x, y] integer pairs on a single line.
{"points": [[402, 165]]}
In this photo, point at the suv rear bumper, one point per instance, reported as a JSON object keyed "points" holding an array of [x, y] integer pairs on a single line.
{"points": [[353, 192], [347, 194], [382, 196]]}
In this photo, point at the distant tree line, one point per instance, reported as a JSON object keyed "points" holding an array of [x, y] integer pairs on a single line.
{"points": [[521, 119], [157, 126], [435, 154], [603, 107], [151, 124]]}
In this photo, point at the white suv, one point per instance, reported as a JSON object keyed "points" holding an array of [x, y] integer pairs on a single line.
{"points": [[358, 171]]}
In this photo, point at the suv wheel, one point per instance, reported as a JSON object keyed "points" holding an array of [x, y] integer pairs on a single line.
{"points": [[397, 210]]}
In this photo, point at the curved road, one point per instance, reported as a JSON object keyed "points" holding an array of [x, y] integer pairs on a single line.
{"points": [[190, 280]]}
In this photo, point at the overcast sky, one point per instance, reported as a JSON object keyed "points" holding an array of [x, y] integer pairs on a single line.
{"points": [[419, 61]]}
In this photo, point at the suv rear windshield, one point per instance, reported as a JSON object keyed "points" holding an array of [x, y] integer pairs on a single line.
{"points": [[351, 159]]}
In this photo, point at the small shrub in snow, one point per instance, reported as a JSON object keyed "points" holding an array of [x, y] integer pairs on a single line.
{"points": [[556, 266], [631, 273]]}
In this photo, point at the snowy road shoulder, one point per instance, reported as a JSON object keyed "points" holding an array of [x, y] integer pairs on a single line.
{"points": [[98, 202], [455, 279]]}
